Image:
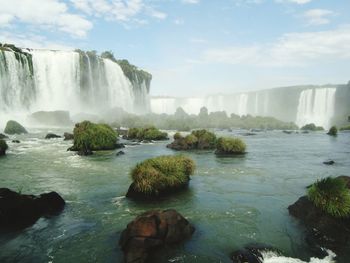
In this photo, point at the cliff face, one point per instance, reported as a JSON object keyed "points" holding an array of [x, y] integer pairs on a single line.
{"points": [[77, 81], [323, 105]]}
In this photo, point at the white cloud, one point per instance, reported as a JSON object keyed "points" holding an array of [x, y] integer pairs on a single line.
{"points": [[318, 16], [179, 21], [191, 1], [299, 2], [49, 14], [118, 10], [293, 49]]}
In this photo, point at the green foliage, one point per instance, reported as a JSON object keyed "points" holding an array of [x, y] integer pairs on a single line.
{"points": [[94, 137], [333, 131], [206, 139], [148, 133], [177, 136], [227, 145], [3, 145], [345, 128], [133, 73], [332, 196], [191, 140], [161, 173], [13, 127], [311, 127]]}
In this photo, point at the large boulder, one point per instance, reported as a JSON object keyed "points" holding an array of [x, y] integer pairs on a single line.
{"points": [[19, 211], [3, 136], [68, 136], [13, 127], [152, 230], [90, 137], [52, 136], [322, 228], [3, 147], [160, 176], [53, 118]]}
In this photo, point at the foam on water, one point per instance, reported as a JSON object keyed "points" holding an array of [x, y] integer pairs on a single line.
{"points": [[273, 257]]}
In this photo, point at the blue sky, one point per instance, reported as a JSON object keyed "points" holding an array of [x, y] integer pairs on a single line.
{"points": [[196, 47]]}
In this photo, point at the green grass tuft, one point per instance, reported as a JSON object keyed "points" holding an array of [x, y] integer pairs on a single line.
{"points": [[161, 173], [332, 196], [227, 145], [94, 137], [148, 133]]}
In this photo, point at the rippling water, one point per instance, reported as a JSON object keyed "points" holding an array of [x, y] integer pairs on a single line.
{"points": [[231, 201]]}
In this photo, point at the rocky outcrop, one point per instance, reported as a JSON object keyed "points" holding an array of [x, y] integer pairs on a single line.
{"points": [[52, 136], [322, 229], [68, 136], [19, 211], [3, 147], [3, 136], [250, 254], [13, 127], [152, 230]]}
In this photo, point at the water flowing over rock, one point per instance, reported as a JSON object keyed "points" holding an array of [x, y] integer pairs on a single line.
{"points": [[322, 105], [74, 81]]}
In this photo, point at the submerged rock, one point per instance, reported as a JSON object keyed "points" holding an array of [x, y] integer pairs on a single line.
{"points": [[322, 228], [287, 132], [152, 230], [68, 136], [330, 162], [52, 136], [15, 141], [120, 153], [13, 127], [251, 253], [120, 145], [19, 211]]}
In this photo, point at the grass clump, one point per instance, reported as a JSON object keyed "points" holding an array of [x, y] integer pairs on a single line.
{"points": [[332, 196], [148, 133], [13, 127], [226, 145], [156, 175], [312, 127], [93, 137], [333, 131], [199, 139]]}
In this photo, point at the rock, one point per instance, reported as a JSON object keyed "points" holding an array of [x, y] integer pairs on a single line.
{"points": [[3, 136], [122, 132], [52, 118], [15, 141], [146, 141], [19, 211], [13, 127], [120, 145], [120, 153], [250, 253], [287, 132], [305, 132], [68, 136], [3, 147], [152, 230], [248, 134], [52, 136], [322, 229], [330, 162]]}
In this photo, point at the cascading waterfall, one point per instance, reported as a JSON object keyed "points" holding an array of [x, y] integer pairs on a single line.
{"points": [[76, 81], [242, 104], [316, 106]]}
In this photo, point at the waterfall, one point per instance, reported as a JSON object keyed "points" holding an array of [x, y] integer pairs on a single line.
{"points": [[33, 80], [316, 106], [243, 104]]}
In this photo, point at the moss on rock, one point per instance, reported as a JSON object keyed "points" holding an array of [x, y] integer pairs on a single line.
{"points": [[199, 139], [148, 133], [13, 127], [230, 146]]}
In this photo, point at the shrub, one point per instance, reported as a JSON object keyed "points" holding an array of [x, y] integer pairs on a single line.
{"points": [[332, 196], [311, 127], [13, 127], [177, 136], [159, 174], [226, 145], [94, 137], [191, 140], [149, 133], [206, 139], [333, 131]]}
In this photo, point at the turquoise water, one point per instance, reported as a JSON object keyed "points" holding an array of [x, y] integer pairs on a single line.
{"points": [[231, 201]]}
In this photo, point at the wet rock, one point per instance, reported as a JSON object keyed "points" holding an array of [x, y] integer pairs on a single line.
{"points": [[120, 153], [120, 145], [52, 136], [152, 230], [3, 147], [251, 253], [15, 141], [68, 136], [322, 229], [330, 162], [13, 127], [249, 134], [122, 132], [3, 136], [19, 211], [287, 132]]}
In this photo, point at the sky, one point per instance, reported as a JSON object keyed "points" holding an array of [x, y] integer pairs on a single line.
{"points": [[196, 47]]}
